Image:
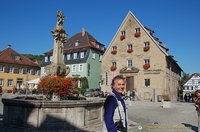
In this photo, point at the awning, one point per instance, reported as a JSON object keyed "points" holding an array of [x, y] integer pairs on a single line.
{"points": [[34, 81]]}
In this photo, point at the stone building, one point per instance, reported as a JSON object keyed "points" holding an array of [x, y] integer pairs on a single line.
{"points": [[82, 53], [139, 56], [14, 68]]}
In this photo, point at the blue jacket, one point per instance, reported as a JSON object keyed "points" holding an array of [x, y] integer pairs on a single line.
{"points": [[109, 108]]}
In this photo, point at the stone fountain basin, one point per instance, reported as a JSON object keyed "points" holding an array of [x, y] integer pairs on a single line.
{"points": [[37, 113]]}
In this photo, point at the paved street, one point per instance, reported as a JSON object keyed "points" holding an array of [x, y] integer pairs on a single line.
{"points": [[181, 117]]}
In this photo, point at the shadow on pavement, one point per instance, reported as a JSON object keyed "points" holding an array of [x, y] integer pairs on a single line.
{"points": [[194, 128]]}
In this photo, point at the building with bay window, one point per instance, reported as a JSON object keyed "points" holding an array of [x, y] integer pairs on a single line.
{"points": [[140, 57], [14, 68]]}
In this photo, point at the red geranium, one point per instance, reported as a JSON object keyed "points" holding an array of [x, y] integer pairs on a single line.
{"points": [[137, 34], [146, 66], [129, 50], [58, 85], [114, 51], [113, 68], [122, 37], [146, 48]]}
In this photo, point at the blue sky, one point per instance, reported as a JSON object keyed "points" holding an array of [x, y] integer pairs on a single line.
{"points": [[26, 24]]}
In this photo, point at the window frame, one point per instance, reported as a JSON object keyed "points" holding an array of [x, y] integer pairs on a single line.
{"points": [[114, 48], [1, 82], [114, 64], [146, 61], [10, 83], [137, 30], [75, 55], [146, 44], [82, 54], [130, 62], [147, 82], [130, 46], [20, 70], [74, 68], [2, 68], [80, 70], [11, 69]]}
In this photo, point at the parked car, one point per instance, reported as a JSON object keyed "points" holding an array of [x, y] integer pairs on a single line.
{"points": [[92, 93]]}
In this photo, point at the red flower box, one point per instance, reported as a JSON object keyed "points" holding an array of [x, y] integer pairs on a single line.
{"points": [[114, 51], [58, 85], [122, 37], [129, 50], [113, 68], [146, 48], [137, 34], [146, 66]]}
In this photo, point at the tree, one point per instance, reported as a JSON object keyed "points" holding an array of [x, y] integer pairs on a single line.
{"points": [[184, 79]]}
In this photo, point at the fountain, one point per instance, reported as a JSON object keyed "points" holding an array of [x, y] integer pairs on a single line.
{"points": [[36, 113]]}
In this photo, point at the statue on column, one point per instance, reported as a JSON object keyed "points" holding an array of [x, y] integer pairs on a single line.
{"points": [[57, 66]]}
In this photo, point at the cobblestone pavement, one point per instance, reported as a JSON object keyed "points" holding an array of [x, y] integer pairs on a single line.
{"points": [[181, 117]]}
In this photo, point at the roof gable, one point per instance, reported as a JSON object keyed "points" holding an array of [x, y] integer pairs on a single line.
{"points": [[147, 31], [10, 56]]}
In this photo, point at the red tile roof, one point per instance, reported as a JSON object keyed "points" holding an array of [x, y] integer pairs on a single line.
{"points": [[8, 56]]}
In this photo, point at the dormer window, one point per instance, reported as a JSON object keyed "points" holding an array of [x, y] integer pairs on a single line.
{"points": [[17, 57], [46, 59], [51, 57], [102, 48], [77, 42], [68, 56], [82, 55], [75, 55], [97, 45]]}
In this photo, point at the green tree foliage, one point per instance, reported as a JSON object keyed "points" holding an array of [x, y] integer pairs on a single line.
{"points": [[184, 79], [34, 57]]}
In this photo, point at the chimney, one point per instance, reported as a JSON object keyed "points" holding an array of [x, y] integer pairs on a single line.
{"points": [[165, 45], [83, 32], [9, 46]]}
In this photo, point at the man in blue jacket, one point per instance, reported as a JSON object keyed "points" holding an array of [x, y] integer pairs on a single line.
{"points": [[114, 107]]}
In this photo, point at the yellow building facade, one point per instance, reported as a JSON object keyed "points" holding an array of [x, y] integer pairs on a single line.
{"points": [[16, 69]]}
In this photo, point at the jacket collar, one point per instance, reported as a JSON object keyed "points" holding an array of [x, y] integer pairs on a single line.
{"points": [[117, 94]]}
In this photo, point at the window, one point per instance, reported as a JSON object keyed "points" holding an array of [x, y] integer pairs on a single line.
{"points": [[77, 42], [68, 56], [1, 82], [10, 82], [35, 71], [114, 48], [11, 69], [137, 30], [51, 57], [106, 78], [28, 70], [82, 55], [130, 46], [2, 67], [147, 61], [20, 70], [93, 55], [146, 44], [123, 33], [102, 48], [73, 68], [114, 64], [97, 45], [46, 59], [80, 67], [17, 58], [129, 63], [75, 55], [147, 82]]}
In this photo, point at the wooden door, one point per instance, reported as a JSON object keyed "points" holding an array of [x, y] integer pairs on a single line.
{"points": [[129, 83]]}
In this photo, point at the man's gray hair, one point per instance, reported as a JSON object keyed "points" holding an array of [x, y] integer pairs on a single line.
{"points": [[115, 78]]}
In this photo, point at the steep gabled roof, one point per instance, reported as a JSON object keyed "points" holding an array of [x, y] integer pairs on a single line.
{"points": [[85, 41], [191, 77], [147, 32], [9, 56]]}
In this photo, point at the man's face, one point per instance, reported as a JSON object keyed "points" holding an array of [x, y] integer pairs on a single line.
{"points": [[119, 85]]}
